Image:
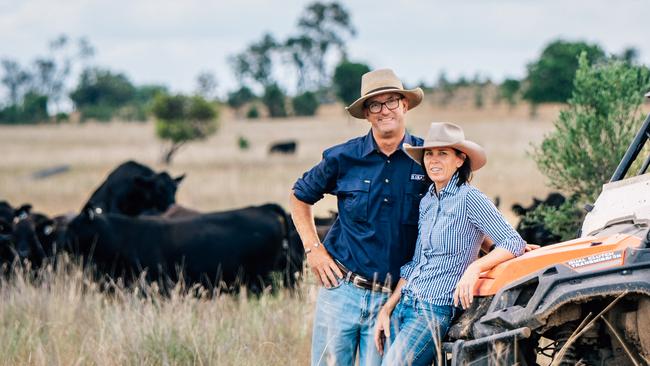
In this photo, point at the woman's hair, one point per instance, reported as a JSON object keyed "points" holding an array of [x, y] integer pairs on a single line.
{"points": [[464, 172]]}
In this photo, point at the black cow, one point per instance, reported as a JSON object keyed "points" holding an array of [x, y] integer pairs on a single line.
{"points": [[177, 211], [533, 231], [7, 213], [284, 147], [133, 189], [6, 223], [238, 247], [6, 228], [32, 236]]}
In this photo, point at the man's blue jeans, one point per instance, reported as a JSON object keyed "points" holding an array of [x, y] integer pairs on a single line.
{"points": [[417, 330], [344, 323]]}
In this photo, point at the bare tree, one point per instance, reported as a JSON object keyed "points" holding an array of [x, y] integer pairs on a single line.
{"points": [[327, 25], [298, 51], [15, 79], [206, 85], [256, 62]]}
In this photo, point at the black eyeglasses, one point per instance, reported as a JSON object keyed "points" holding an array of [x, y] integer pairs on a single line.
{"points": [[391, 104]]}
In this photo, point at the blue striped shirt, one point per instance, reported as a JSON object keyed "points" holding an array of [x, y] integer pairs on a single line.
{"points": [[451, 228]]}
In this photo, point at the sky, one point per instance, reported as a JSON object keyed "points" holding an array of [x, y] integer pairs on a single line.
{"points": [[171, 42]]}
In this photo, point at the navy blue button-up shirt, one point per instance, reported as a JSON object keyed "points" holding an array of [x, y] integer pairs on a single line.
{"points": [[378, 200]]}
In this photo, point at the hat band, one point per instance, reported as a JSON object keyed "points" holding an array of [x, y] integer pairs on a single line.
{"points": [[383, 88]]}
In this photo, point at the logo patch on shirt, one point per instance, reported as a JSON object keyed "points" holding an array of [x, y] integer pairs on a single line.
{"points": [[417, 176]]}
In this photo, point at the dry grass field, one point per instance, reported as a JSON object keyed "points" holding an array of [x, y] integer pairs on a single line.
{"points": [[62, 321], [221, 176]]}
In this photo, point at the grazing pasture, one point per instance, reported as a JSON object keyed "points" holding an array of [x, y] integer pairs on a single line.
{"points": [[221, 176], [65, 320]]}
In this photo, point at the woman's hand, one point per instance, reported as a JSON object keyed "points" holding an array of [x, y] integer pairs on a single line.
{"points": [[530, 247], [464, 293], [382, 328]]}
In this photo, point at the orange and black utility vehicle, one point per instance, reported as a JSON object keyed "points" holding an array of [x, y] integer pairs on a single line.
{"points": [[585, 301]]}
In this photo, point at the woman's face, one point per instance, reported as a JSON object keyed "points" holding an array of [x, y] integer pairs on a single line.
{"points": [[441, 163]]}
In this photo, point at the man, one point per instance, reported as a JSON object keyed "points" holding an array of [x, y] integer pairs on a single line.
{"points": [[378, 188]]}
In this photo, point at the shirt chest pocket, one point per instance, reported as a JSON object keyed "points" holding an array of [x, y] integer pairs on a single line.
{"points": [[411, 210], [354, 199]]}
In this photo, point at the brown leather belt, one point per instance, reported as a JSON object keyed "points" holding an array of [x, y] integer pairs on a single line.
{"points": [[362, 282]]}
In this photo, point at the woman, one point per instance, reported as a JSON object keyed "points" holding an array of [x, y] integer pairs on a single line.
{"points": [[454, 219]]}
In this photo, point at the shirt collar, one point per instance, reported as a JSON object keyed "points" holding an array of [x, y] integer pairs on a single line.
{"points": [[370, 145], [450, 189]]}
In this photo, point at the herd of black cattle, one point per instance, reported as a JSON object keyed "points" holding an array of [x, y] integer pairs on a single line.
{"points": [[132, 224]]}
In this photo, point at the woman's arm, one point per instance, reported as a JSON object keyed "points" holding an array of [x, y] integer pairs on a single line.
{"points": [[464, 293], [486, 217], [382, 328]]}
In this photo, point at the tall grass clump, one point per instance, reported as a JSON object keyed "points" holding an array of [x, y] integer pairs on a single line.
{"points": [[60, 315]]}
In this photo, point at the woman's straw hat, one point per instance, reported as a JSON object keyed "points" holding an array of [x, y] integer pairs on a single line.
{"points": [[445, 134]]}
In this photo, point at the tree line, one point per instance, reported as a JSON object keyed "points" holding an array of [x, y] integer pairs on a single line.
{"points": [[315, 53]]}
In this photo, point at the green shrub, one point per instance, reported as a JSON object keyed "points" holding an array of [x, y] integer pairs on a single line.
{"points": [[62, 117], [509, 90], [243, 143], [32, 109], [274, 100], [305, 104], [99, 112], [550, 78], [347, 80], [101, 93], [253, 112], [591, 135], [181, 119], [240, 97]]}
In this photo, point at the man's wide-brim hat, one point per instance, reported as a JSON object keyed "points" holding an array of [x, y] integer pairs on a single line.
{"points": [[379, 82], [445, 134]]}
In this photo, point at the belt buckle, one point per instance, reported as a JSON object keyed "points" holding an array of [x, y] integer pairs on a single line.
{"points": [[367, 285], [359, 281]]}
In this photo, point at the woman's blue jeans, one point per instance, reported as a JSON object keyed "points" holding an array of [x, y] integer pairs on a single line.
{"points": [[344, 323], [417, 331]]}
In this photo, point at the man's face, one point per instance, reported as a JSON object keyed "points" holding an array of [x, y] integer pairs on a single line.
{"points": [[386, 121]]}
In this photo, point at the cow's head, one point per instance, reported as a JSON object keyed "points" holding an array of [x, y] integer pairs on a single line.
{"points": [[6, 226], [25, 240], [50, 232], [157, 192], [81, 232], [7, 212]]}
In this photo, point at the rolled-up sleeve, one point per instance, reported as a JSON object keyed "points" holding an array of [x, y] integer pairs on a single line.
{"points": [[320, 179], [482, 213]]}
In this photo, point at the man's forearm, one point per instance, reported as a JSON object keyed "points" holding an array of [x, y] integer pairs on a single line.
{"points": [[303, 219]]}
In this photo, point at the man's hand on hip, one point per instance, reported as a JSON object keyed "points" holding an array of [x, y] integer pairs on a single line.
{"points": [[324, 267]]}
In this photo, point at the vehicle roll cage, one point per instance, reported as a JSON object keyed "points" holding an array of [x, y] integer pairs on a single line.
{"points": [[633, 151]]}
